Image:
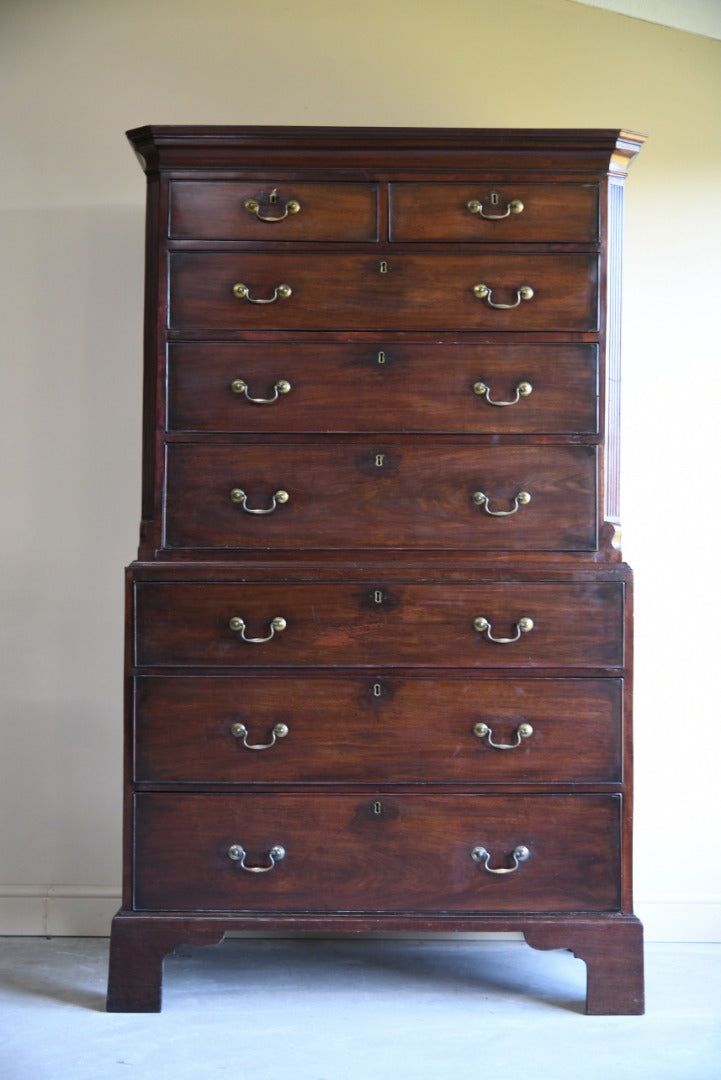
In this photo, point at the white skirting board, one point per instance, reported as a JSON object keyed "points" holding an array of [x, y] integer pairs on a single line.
{"points": [[57, 910], [86, 911]]}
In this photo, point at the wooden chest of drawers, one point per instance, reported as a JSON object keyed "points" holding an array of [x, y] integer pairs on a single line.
{"points": [[379, 621]]}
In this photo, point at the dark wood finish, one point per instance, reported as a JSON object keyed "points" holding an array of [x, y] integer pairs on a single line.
{"points": [[608, 945], [379, 852], [613, 954], [552, 213], [376, 729], [380, 788], [540, 154], [342, 566], [345, 387], [187, 624], [384, 494], [214, 210], [137, 951], [417, 292]]}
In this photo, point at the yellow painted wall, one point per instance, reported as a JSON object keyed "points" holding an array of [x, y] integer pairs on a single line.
{"points": [[74, 74]]}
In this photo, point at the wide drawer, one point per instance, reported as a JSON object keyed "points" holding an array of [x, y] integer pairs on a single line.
{"points": [[341, 494], [385, 729], [362, 292], [576, 625], [269, 211], [222, 386], [377, 853], [499, 213]]}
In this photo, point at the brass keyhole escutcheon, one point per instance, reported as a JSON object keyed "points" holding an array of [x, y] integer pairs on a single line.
{"points": [[377, 596], [383, 267], [377, 689], [377, 808], [380, 461]]}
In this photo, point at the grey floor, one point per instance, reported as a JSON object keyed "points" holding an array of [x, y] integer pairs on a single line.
{"points": [[352, 1009]]}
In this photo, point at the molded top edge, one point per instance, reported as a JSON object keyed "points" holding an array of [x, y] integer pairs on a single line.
{"points": [[217, 146], [318, 135]]}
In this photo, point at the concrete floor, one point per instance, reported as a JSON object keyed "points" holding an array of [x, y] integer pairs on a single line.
{"points": [[355, 1010]]}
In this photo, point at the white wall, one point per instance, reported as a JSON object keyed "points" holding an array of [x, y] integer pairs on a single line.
{"points": [[74, 74], [698, 16]]}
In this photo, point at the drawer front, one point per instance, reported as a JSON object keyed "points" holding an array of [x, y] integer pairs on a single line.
{"points": [[384, 729], [382, 387], [221, 210], [352, 292], [562, 213], [384, 496], [377, 853], [188, 623]]}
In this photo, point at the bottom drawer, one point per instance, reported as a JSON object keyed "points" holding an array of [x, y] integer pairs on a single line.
{"points": [[414, 852]]}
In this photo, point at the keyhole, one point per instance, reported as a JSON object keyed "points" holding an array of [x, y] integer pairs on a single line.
{"points": [[383, 266], [377, 689], [381, 357], [273, 197], [380, 459], [377, 596], [495, 198], [377, 807]]}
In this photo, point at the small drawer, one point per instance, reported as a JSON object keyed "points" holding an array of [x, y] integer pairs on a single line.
{"points": [[271, 210], [376, 729], [290, 291], [378, 852], [497, 213], [388, 386], [575, 625], [342, 495]]}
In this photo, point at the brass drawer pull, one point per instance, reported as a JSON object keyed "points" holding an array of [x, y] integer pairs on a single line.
{"points": [[237, 495], [280, 291], [482, 625], [240, 731], [519, 854], [523, 731], [483, 292], [292, 206], [523, 389], [277, 625], [522, 498], [237, 853], [475, 206], [240, 386]]}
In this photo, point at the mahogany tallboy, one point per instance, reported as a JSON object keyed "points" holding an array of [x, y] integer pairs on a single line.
{"points": [[378, 660]]}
